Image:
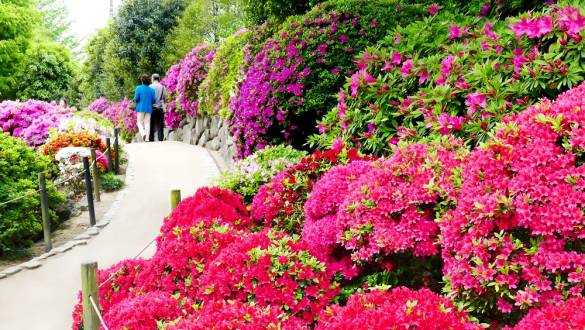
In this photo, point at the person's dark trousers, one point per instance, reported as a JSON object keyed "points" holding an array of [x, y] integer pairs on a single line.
{"points": [[157, 121]]}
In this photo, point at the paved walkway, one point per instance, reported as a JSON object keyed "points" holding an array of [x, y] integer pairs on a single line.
{"points": [[42, 299]]}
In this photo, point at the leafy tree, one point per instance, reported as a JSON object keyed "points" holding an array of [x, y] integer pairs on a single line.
{"points": [[46, 73], [203, 21], [55, 23], [140, 32], [16, 26], [258, 12], [93, 68]]}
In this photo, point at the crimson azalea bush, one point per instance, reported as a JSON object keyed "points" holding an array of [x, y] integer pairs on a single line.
{"points": [[515, 239], [269, 268], [457, 75], [291, 81], [280, 202], [183, 82], [145, 312], [569, 315], [400, 308], [229, 315], [207, 206]]}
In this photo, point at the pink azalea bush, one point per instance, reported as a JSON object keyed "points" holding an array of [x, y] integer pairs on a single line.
{"points": [[514, 240], [569, 314], [99, 105], [290, 82], [455, 75], [400, 308]]}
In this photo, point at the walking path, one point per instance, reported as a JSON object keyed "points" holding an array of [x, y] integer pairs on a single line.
{"points": [[43, 298]]}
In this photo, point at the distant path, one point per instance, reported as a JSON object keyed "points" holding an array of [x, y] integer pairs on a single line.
{"points": [[42, 299]]}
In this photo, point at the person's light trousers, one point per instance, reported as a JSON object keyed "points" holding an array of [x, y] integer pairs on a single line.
{"points": [[143, 123]]}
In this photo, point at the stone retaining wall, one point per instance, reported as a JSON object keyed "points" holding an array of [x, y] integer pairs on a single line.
{"points": [[208, 132]]}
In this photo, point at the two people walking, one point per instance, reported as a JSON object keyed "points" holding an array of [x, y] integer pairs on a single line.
{"points": [[150, 107]]}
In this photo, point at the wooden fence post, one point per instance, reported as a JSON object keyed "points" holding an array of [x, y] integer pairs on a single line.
{"points": [[89, 288], [116, 150], [89, 191], [109, 154], [96, 175], [175, 198], [45, 213]]}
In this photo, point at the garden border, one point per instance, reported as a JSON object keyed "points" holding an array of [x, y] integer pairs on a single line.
{"points": [[82, 238]]}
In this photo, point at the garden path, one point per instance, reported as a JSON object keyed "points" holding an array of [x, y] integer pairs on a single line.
{"points": [[42, 299]]}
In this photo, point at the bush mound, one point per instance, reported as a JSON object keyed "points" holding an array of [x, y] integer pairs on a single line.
{"points": [[515, 239], [20, 221], [73, 139], [31, 120], [400, 308], [289, 84], [457, 75]]}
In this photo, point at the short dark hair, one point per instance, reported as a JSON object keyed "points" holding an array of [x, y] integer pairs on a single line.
{"points": [[156, 77], [145, 79]]}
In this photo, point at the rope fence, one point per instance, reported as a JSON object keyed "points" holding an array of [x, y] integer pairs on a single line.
{"points": [[92, 317], [92, 186]]}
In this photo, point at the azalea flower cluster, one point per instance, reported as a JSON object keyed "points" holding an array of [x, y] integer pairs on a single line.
{"points": [[121, 114], [183, 81], [412, 88], [399, 308], [569, 314], [290, 82], [31, 120], [72, 139], [373, 210], [515, 238], [280, 203]]}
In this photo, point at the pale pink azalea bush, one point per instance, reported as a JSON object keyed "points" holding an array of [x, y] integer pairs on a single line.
{"points": [[400, 308], [514, 240]]}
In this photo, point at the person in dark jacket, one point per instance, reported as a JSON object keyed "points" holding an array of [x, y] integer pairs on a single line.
{"points": [[157, 120], [144, 98]]}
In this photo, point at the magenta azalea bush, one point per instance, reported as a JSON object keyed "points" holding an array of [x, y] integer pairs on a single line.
{"points": [[515, 239], [290, 82], [455, 75], [183, 81], [569, 314], [31, 120]]}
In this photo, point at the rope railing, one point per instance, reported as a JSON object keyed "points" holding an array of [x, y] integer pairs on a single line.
{"points": [[98, 312], [56, 184]]}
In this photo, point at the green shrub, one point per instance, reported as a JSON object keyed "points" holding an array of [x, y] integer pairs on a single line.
{"points": [[110, 182], [249, 174], [20, 221]]}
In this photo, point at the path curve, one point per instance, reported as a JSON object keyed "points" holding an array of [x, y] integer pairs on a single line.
{"points": [[43, 298]]}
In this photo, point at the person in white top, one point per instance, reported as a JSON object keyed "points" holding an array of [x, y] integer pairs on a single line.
{"points": [[157, 120]]}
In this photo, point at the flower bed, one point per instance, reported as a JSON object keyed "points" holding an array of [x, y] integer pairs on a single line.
{"points": [[455, 75]]}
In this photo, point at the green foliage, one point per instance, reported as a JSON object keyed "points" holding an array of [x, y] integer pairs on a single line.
{"points": [[46, 73], [110, 182], [55, 23], [257, 12], [16, 27], [203, 21], [140, 32], [249, 174], [20, 221]]}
